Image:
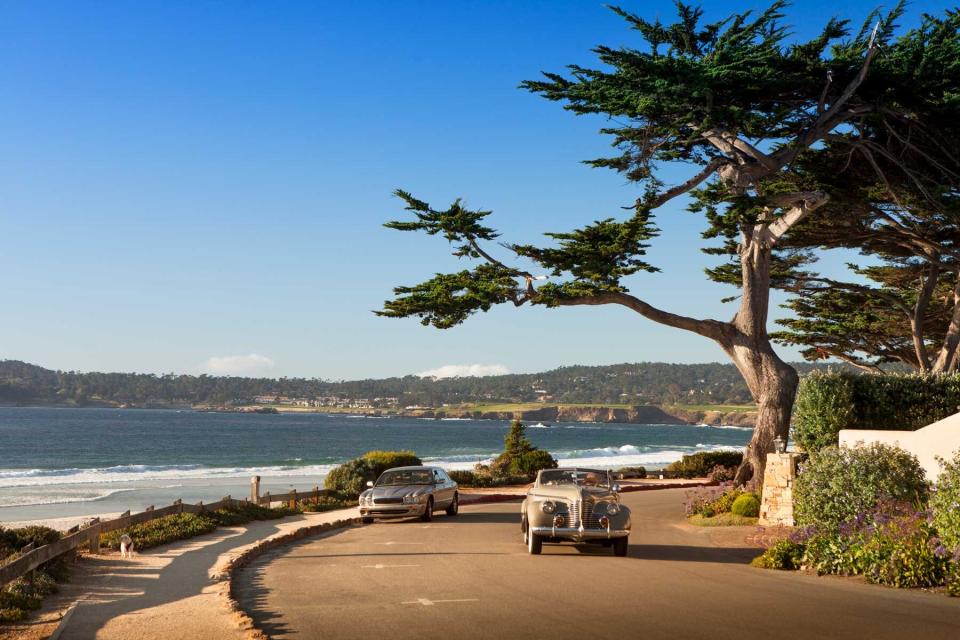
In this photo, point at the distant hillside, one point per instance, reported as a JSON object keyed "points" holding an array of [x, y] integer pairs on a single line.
{"points": [[642, 383]]}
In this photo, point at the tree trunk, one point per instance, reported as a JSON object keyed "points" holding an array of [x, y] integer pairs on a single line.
{"points": [[772, 382], [773, 385]]}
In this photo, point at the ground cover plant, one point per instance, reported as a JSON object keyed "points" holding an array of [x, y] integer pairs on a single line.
{"points": [[23, 595], [724, 505]]}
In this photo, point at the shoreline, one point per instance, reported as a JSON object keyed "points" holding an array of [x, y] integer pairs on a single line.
{"points": [[720, 415]]}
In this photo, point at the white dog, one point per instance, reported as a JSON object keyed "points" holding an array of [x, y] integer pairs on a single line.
{"points": [[126, 546]]}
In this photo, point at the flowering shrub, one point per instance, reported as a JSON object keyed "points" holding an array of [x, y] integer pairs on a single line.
{"points": [[712, 501], [945, 503], [721, 473], [837, 485], [698, 465]]}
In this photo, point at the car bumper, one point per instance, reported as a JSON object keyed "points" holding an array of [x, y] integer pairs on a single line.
{"points": [[569, 533], [392, 510]]}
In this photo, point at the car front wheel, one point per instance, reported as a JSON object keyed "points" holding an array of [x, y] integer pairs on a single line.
{"points": [[454, 507], [428, 512], [534, 543], [620, 546]]}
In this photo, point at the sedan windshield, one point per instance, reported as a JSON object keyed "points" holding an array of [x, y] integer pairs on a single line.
{"points": [[582, 477], [397, 478]]}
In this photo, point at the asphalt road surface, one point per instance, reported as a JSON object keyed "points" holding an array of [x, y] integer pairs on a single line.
{"points": [[469, 576]]}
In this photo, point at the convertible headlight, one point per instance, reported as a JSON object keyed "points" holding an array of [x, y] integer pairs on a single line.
{"points": [[549, 507], [613, 508]]}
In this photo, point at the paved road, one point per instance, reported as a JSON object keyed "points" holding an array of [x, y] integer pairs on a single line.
{"points": [[470, 577]]}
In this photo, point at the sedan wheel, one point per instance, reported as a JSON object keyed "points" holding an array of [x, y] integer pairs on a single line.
{"points": [[534, 543], [620, 546], [454, 507], [428, 512]]}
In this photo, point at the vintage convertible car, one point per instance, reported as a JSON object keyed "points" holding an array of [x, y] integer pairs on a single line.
{"points": [[575, 505]]}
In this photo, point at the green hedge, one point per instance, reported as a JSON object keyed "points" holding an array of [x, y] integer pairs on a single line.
{"points": [[829, 401]]}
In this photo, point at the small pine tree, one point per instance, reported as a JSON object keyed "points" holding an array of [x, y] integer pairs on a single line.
{"points": [[516, 443]]}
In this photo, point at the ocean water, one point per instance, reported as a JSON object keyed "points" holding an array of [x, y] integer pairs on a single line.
{"points": [[58, 462]]}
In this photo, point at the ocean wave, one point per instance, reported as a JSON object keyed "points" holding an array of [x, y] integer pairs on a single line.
{"points": [[539, 425], [723, 426], [29, 500], [140, 472]]}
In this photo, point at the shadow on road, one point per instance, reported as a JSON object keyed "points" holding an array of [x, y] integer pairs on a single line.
{"points": [[253, 595], [682, 553]]}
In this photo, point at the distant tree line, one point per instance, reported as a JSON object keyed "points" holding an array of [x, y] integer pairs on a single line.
{"points": [[641, 383]]}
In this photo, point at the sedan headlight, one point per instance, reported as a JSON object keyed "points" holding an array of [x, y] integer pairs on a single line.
{"points": [[412, 499], [549, 507]]}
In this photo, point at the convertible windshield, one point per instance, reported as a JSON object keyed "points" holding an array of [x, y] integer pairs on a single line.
{"points": [[582, 477], [395, 478]]}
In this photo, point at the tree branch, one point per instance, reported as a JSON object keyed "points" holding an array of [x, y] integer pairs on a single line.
{"points": [[721, 332]]}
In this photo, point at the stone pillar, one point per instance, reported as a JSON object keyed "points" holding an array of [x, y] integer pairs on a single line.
{"points": [[776, 503], [255, 489]]}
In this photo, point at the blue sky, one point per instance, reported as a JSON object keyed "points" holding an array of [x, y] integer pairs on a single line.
{"points": [[187, 181]]}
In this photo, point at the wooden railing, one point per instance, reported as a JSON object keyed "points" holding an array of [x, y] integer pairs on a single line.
{"points": [[30, 558]]}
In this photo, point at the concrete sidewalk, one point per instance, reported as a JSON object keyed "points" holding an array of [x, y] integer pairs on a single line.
{"points": [[171, 592]]}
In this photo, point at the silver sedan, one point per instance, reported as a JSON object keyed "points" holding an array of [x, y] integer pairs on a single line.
{"points": [[404, 492]]}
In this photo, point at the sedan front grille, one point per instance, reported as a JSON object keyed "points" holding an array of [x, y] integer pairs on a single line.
{"points": [[388, 501]]}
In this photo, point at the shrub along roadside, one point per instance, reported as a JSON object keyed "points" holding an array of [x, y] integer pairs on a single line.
{"points": [[839, 484], [701, 464], [830, 401], [350, 479]]}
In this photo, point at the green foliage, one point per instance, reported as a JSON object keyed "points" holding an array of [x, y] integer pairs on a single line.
{"points": [[712, 502], [21, 596], [519, 458], [945, 503], [245, 512], [631, 472], [838, 484], [784, 554], [325, 504], [828, 402], [823, 407], [747, 505], [700, 464], [721, 520], [893, 545], [482, 478], [161, 531], [350, 479]]}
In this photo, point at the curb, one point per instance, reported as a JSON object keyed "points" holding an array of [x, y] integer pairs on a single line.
{"points": [[226, 572]]}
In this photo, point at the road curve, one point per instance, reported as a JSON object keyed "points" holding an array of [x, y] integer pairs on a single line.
{"points": [[469, 576]]}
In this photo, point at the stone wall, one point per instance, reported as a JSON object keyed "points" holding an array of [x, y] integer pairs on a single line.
{"points": [[776, 502]]}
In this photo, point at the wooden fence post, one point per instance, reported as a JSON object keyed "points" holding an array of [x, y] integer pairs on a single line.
{"points": [[179, 503], [94, 526], [293, 498], [267, 498], [255, 489], [316, 494]]}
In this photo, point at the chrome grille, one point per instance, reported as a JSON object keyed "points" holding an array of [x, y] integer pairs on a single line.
{"points": [[574, 516], [589, 518]]}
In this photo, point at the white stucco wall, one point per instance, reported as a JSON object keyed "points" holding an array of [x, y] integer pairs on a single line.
{"points": [[938, 439]]}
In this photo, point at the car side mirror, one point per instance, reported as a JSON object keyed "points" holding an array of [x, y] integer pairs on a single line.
{"points": [[616, 488], [369, 483]]}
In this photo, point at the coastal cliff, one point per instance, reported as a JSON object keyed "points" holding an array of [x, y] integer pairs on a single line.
{"points": [[644, 414]]}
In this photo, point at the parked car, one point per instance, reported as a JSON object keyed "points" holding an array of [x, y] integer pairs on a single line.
{"points": [[575, 505], [410, 491]]}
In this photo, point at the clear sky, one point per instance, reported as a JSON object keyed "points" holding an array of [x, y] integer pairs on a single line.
{"points": [[184, 185]]}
